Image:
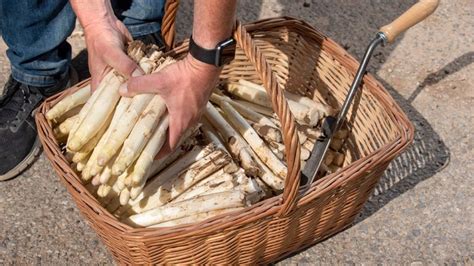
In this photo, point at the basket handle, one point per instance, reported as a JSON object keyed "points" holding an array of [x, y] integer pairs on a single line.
{"points": [[411, 17], [280, 106], [168, 23]]}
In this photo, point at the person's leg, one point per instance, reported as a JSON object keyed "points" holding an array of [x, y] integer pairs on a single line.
{"points": [[142, 18], [35, 32]]}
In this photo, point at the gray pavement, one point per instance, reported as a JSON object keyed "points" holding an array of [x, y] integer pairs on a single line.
{"points": [[422, 210]]}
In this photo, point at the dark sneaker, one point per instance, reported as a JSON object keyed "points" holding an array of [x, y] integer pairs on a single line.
{"points": [[152, 38], [19, 143]]}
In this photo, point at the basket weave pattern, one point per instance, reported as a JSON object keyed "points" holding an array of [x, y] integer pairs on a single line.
{"points": [[278, 53]]}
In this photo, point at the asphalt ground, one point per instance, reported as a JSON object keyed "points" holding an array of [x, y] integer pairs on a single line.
{"points": [[421, 211]]}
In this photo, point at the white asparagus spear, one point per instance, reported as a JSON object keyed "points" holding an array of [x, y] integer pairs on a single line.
{"points": [[267, 111], [80, 165], [140, 135], [73, 112], [195, 218], [92, 143], [233, 137], [309, 144], [120, 183], [94, 167], [211, 134], [146, 158], [186, 179], [244, 111], [305, 154], [206, 190], [90, 102], [106, 173], [324, 109], [214, 180], [237, 145], [95, 181], [120, 131], [124, 196], [172, 211], [102, 108], [268, 133], [65, 127], [255, 142], [104, 104], [302, 113], [69, 102], [277, 148], [183, 147], [137, 105], [310, 132], [249, 94], [195, 154], [106, 188], [157, 165]]}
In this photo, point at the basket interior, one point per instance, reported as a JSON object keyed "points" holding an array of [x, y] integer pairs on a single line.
{"points": [[308, 65]]}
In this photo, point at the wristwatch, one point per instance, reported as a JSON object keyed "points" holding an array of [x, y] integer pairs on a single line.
{"points": [[219, 56]]}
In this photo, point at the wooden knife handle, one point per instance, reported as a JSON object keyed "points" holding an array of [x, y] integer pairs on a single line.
{"points": [[412, 16]]}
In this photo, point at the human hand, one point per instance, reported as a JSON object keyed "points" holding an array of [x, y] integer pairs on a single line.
{"points": [[185, 87], [106, 37]]}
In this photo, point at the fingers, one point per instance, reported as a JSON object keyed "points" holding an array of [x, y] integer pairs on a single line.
{"points": [[120, 61], [96, 77], [127, 36], [174, 137], [165, 150], [153, 83], [175, 130]]}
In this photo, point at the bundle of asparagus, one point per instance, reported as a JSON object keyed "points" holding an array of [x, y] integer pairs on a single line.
{"points": [[234, 158], [250, 114]]}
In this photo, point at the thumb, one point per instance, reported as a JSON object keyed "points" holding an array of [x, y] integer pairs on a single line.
{"points": [[154, 83]]}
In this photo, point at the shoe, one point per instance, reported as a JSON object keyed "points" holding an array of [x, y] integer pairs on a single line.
{"points": [[19, 142], [152, 38]]}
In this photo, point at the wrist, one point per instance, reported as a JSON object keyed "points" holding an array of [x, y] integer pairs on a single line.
{"points": [[199, 65]]}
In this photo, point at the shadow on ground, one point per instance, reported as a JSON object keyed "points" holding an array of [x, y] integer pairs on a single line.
{"points": [[426, 156]]}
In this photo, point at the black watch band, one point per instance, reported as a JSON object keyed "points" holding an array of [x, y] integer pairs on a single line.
{"points": [[222, 54]]}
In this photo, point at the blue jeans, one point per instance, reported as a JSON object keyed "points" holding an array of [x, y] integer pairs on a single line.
{"points": [[35, 32]]}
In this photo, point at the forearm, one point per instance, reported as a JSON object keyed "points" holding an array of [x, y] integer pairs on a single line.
{"points": [[92, 11], [213, 21]]}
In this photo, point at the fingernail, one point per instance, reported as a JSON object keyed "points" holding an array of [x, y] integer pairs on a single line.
{"points": [[123, 89], [137, 72]]}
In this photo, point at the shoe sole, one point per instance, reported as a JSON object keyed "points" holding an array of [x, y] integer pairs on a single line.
{"points": [[28, 161]]}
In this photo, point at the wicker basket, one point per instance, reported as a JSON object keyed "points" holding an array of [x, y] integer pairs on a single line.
{"points": [[278, 53]]}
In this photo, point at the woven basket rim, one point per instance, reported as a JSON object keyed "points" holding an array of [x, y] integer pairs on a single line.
{"points": [[269, 207]]}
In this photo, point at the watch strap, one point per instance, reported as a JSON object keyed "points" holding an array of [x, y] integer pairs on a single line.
{"points": [[202, 54]]}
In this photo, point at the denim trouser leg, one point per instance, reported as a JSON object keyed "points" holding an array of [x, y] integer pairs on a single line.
{"points": [[35, 32], [141, 17]]}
